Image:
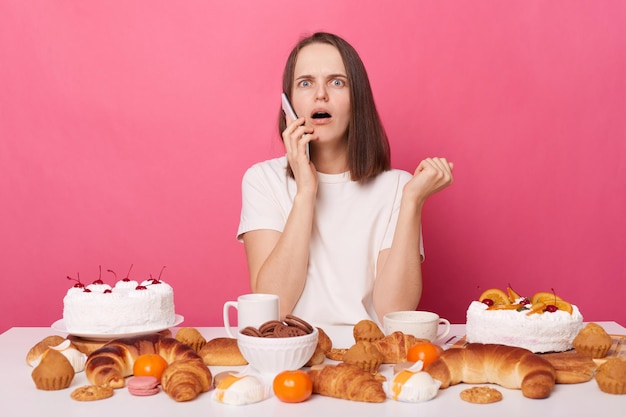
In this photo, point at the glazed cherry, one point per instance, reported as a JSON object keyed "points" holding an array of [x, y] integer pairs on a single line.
{"points": [[99, 280], [128, 274], [551, 308], [107, 291], [488, 301], [525, 301], [78, 283], [156, 280], [141, 287], [86, 290]]}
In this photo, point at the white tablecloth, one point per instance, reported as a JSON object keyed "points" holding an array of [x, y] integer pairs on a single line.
{"points": [[19, 397]]}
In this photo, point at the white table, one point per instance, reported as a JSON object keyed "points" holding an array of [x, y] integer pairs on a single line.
{"points": [[19, 397]]}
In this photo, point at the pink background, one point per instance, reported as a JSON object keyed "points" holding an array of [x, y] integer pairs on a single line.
{"points": [[126, 126]]}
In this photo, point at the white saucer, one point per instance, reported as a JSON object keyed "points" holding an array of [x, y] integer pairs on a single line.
{"points": [[59, 326]]}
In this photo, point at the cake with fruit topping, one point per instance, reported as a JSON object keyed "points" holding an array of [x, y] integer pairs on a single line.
{"points": [[542, 323], [127, 307]]}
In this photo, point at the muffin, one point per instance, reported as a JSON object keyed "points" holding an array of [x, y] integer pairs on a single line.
{"points": [[54, 372], [593, 340], [191, 337], [367, 330], [364, 355], [611, 376]]}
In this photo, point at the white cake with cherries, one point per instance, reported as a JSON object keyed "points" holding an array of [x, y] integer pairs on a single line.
{"points": [[127, 307], [537, 326]]}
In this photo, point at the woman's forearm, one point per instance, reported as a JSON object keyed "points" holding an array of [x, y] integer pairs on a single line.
{"points": [[398, 284], [284, 270]]}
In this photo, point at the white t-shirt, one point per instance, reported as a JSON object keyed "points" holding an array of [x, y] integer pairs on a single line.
{"points": [[353, 222]]}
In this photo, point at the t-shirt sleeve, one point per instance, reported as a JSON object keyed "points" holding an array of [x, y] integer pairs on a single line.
{"points": [[260, 207]]}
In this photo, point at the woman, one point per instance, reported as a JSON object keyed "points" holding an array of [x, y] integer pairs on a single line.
{"points": [[337, 237]]}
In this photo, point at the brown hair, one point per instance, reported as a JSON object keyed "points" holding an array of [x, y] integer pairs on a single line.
{"points": [[368, 146]]}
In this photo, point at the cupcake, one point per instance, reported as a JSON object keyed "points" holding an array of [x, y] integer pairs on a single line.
{"points": [[54, 372], [593, 340], [611, 376], [367, 330], [364, 355], [191, 337]]}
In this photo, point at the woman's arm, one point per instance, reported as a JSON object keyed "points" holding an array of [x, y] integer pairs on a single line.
{"points": [[278, 261], [398, 284]]}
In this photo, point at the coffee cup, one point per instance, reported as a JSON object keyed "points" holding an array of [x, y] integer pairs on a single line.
{"points": [[421, 324], [252, 310]]}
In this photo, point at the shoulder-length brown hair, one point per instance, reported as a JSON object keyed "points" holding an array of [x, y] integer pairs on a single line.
{"points": [[368, 146]]}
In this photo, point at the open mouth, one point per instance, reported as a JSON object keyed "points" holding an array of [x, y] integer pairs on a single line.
{"points": [[320, 115]]}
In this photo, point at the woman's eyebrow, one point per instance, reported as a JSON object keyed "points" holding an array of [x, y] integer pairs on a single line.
{"points": [[328, 76]]}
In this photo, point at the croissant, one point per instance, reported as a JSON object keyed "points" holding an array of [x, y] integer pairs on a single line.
{"points": [[348, 382], [395, 346], [184, 379], [507, 366], [111, 363]]}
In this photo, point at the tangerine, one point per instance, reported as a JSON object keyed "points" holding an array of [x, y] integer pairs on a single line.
{"points": [[426, 352], [292, 386], [150, 364]]}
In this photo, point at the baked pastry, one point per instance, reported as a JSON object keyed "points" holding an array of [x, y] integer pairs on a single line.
{"points": [[191, 337], [222, 351], [571, 367], [114, 361], [54, 372], [364, 355], [395, 346], [184, 380], [611, 376], [348, 382], [34, 354], [240, 390], [367, 330], [593, 340], [412, 386], [323, 340], [92, 393], [481, 395], [507, 366]]}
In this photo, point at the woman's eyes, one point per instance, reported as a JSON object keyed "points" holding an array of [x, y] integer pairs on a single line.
{"points": [[336, 82]]}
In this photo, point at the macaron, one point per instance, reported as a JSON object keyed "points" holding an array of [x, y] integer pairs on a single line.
{"points": [[143, 385]]}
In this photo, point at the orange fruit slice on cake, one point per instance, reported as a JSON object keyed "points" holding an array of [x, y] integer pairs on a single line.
{"points": [[563, 305], [545, 297], [498, 296]]}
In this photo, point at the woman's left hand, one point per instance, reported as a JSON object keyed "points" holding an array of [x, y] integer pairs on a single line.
{"points": [[431, 176]]}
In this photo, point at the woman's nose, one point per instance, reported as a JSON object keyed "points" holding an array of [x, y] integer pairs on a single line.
{"points": [[321, 93]]}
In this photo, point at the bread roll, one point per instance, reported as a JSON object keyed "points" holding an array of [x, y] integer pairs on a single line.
{"points": [[507, 366], [222, 351]]}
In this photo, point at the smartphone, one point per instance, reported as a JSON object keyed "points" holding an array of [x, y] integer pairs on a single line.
{"points": [[288, 109]]}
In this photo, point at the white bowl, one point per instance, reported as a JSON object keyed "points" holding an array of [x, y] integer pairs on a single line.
{"points": [[271, 355]]}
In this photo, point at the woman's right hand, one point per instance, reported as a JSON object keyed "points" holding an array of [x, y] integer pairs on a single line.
{"points": [[296, 137]]}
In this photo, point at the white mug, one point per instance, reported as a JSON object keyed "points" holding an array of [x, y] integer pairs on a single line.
{"points": [[252, 310], [421, 324]]}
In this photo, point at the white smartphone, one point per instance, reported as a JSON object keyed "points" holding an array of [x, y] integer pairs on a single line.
{"points": [[288, 109]]}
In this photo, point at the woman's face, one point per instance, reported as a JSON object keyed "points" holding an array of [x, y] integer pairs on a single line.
{"points": [[320, 92]]}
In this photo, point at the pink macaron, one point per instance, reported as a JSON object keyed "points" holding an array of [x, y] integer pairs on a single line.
{"points": [[143, 385]]}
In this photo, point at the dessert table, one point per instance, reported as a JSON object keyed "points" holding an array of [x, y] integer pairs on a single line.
{"points": [[19, 397]]}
